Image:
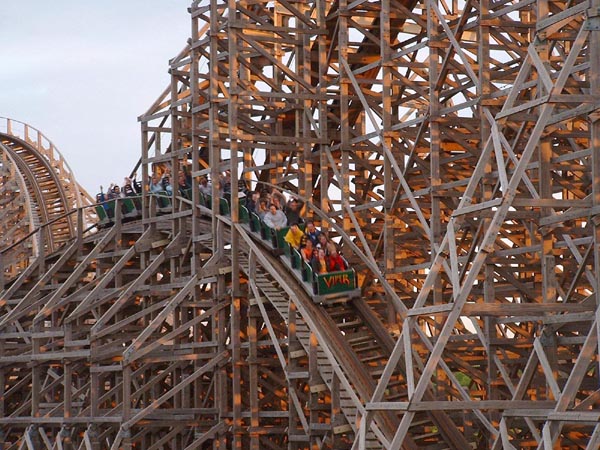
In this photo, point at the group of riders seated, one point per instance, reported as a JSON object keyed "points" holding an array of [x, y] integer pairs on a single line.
{"points": [[130, 188], [271, 206], [160, 182], [314, 246]]}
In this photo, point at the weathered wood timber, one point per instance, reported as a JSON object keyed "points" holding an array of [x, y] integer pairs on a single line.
{"points": [[450, 149]]}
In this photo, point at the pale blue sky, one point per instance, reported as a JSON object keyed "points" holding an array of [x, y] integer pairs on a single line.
{"points": [[83, 71]]}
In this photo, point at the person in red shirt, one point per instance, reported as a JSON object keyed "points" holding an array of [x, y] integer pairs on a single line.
{"points": [[335, 262]]}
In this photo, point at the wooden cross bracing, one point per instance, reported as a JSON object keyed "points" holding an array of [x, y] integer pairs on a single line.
{"points": [[448, 148]]}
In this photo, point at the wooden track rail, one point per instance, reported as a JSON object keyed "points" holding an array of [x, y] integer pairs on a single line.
{"points": [[450, 149], [43, 193]]}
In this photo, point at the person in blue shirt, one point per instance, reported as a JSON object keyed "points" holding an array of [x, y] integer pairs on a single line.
{"points": [[311, 232]]}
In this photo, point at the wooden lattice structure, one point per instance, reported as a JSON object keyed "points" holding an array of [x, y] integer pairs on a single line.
{"points": [[450, 148]]}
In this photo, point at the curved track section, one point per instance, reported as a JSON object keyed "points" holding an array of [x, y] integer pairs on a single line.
{"points": [[44, 195]]}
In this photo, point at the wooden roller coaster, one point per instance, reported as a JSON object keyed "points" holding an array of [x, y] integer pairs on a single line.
{"points": [[38, 188], [449, 148]]}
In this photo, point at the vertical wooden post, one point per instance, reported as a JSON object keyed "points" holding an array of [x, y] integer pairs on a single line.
{"points": [[253, 363], [594, 48]]}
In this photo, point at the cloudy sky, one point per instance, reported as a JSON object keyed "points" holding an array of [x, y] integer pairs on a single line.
{"points": [[83, 71]]}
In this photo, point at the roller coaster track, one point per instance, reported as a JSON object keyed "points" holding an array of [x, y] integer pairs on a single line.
{"points": [[347, 357], [359, 345], [50, 188], [272, 292]]}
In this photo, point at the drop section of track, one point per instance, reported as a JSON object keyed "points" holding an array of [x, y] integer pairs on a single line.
{"points": [[272, 292], [360, 344]]}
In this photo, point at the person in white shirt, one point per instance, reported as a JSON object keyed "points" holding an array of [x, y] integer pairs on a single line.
{"points": [[275, 218], [205, 187]]}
